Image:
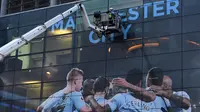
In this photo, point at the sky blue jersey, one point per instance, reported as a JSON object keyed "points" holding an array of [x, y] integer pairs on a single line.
{"points": [[125, 102]]}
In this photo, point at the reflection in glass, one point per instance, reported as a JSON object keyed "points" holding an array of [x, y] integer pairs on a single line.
{"points": [[62, 27], [51, 88], [28, 76], [58, 58], [162, 27], [120, 4], [80, 26], [25, 105], [33, 17], [188, 23], [191, 78], [125, 49], [191, 59], [59, 42], [9, 22], [191, 7], [34, 46], [121, 66], [164, 61], [93, 53], [30, 61], [93, 6], [191, 41], [92, 69], [6, 93], [5, 106], [162, 45], [7, 78], [56, 73], [26, 91]]}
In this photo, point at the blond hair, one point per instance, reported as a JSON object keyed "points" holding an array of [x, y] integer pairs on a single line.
{"points": [[73, 73]]}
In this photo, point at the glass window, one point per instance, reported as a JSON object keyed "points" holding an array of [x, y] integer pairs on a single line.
{"points": [[58, 58], [7, 36], [163, 61], [191, 78], [176, 76], [93, 53], [120, 4], [62, 27], [191, 59], [93, 6], [59, 42], [191, 41], [32, 17], [87, 38], [92, 69], [6, 93], [122, 66], [54, 11], [51, 88], [12, 34], [194, 97], [134, 14], [80, 26], [3, 39], [23, 30], [5, 106], [124, 49], [7, 78], [11, 63], [160, 9], [26, 91], [162, 27], [162, 45], [190, 23], [55, 73], [29, 61], [34, 46], [25, 105], [9, 22], [191, 7], [28, 76]]}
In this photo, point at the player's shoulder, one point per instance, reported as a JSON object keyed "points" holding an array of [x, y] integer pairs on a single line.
{"points": [[58, 93], [75, 93]]}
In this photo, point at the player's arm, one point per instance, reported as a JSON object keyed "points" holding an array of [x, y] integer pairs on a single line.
{"points": [[79, 103], [95, 106], [180, 101], [138, 91]]}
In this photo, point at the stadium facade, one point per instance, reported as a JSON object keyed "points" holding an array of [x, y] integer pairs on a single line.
{"points": [[160, 33]]}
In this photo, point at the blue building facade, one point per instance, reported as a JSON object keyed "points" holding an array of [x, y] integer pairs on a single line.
{"points": [[160, 33]]}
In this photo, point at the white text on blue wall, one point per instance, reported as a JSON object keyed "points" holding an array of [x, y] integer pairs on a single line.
{"points": [[158, 9]]}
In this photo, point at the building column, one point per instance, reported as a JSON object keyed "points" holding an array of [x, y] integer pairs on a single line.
{"points": [[53, 2], [3, 7]]}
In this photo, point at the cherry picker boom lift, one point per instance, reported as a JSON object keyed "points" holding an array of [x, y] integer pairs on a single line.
{"points": [[27, 37]]}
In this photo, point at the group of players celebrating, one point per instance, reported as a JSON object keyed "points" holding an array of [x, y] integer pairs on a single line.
{"points": [[117, 95]]}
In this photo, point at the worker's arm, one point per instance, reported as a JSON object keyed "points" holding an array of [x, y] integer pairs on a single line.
{"points": [[138, 91]]}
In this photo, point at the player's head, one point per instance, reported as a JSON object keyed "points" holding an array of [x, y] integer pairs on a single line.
{"points": [[75, 78], [134, 76], [101, 84], [154, 77], [167, 82], [88, 85]]}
